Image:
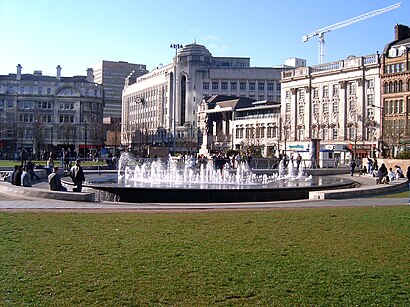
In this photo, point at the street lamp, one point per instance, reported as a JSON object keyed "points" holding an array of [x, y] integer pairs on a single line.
{"points": [[174, 96], [85, 138]]}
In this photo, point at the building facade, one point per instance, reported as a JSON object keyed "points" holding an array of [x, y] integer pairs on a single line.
{"points": [[47, 113], [112, 75], [238, 123], [335, 103], [161, 107], [395, 96]]}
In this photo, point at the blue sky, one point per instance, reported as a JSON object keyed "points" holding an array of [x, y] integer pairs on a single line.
{"points": [[75, 34]]}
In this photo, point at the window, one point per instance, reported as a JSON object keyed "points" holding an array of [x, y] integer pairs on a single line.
{"points": [[301, 108], [261, 97], [40, 90], [352, 105], [48, 91], [242, 86], [261, 86], [205, 85], [352, 88], [316, 108], [370, 100], [334, 133], [301, 134], [301, 94], [22, 90], [335, 90], [325, 108], [278, 88], [224, 85], [288, 94], [370, 113], [270, 86], [215, 85], [251, 86], [325, 91], [287, 107], [370, 83], [233, 85], [315, 92], [325, 134]]}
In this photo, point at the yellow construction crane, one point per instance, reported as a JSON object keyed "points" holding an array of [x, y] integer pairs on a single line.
{"points": [[321, 32]]}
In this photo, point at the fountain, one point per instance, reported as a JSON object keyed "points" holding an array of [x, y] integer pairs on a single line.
{"points": [[169, 181]]}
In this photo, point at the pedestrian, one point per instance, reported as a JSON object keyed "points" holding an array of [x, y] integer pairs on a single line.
{"points": [[26, 178], [54, 181], [382, 174], [23, 156], [30, 169], [391, 175], [352, 167], [77, 175], [399, 172], [13, 175], [408, 173], [17, 176], [298, 161], [369, 165]]}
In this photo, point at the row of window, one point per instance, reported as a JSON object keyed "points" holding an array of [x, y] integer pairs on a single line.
{"points": [[393, 68], [256, 132], [47, 91], [351, 90], [394, 87], [29, 118], [393, 107], [243, 85]]}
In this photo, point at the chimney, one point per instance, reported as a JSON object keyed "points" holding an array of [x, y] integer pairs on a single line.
{"points": [[18, 76], [90, 75], [401, 32], [58, 72]]}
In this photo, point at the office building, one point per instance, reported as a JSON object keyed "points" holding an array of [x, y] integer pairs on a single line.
{"points": [[337, 103], [160, 107], [112, 75], [395, 96], [47, 113]]}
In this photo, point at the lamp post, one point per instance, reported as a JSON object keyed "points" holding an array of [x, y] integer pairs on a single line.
{"points": [[174, 96], [85, 138]]}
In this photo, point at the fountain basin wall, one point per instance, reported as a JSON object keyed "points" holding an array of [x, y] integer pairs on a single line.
{"points": [[212, 193]]}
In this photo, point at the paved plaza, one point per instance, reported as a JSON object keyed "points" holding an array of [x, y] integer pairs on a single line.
{"points": [[18, 202]]}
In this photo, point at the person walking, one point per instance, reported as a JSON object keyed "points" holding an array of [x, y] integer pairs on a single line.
{"points": [[77, 175], [352, 167]]}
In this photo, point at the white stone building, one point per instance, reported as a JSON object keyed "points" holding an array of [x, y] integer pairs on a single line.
{"points": [[47, 113], [148, 101], [337, 103], [240, 124]]}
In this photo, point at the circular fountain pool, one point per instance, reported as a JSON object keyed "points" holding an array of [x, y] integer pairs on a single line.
{"points": [[166, 181]]}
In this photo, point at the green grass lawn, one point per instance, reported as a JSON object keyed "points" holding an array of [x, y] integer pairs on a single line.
{"points": [[332, 257]]}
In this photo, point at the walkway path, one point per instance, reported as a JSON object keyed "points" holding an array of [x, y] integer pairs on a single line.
{"points": [[12, 202]]}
